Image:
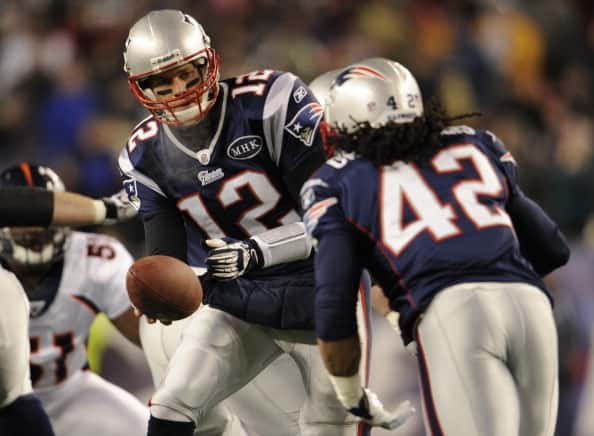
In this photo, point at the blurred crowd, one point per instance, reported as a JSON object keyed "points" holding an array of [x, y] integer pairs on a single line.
{"points": [[526, 65]]}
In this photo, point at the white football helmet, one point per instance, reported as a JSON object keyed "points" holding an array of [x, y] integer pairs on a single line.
{"points": [[320, 86], [161, 41], [376, 91]]}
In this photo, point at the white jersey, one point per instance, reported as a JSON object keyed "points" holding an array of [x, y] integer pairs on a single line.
{"points": [[92, 280], [14, 350]]}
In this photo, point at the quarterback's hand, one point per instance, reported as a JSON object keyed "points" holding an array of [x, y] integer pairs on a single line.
{"points": [[230, 259], [118, 208], [372, 411], [150, 320]]}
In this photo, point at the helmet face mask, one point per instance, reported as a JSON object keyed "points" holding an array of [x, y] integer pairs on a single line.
{"points": [[27, 249], [30, 249], [161, 43]]}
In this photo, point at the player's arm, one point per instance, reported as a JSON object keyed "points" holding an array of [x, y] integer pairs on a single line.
{"points": [[228, 259], [381, 305], [541, 240], [39, 207], [339, 262], [127, 324], [165, 233], [338, 267]]}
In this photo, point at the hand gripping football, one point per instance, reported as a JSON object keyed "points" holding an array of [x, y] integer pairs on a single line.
{"points": [[163, 287]]}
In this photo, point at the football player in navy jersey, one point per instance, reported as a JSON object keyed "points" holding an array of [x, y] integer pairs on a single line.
{"points": [[215, 171], [436, 214]]}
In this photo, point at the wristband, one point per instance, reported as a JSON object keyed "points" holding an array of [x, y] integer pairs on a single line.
{"points": [[99, 212], [348, 390]]}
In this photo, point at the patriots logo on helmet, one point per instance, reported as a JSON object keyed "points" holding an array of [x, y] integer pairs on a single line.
{"points": [[356, 71], [304, 124]]}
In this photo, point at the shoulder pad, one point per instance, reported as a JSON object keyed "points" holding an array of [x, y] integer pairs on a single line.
{"points": [[253, 84], [143, 135]]}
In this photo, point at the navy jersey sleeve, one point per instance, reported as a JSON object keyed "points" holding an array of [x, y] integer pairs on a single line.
{"points": [[541, 240], [163, 225], [504, 161], [338, 265], [292, 118]]}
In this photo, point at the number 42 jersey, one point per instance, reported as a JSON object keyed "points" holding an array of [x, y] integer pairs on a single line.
{"points": [[422, 227], [241, 180]]}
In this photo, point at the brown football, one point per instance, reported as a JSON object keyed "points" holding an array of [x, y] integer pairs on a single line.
{"points": [[163, 287]]}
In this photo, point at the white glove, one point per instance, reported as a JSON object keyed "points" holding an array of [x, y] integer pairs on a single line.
{"points": [[371, 410], [118, 208], [228, 261]]}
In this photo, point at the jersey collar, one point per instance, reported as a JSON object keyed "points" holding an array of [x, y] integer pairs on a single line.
{"points": [[203, 155]]}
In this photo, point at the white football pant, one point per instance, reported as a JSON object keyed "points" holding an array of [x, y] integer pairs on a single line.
{"points": [[220, 354], [488, 361], [86, 404], [15, 379]]}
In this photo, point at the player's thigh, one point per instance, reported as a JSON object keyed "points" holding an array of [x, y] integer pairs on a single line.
{"points": [[270, 404], [534, 360], [98, 407], [218, 354], [466, 386], [159, 343]]}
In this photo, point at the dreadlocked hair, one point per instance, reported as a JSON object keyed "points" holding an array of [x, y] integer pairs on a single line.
{"points": [[416, 141]]}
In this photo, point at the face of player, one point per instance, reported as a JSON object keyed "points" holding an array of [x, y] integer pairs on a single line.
{"points": [[182, 92], [176, 82]]}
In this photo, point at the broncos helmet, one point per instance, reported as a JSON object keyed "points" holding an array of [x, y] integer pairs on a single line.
{"points": [[375, 90], [161, 41], [32, 247]]}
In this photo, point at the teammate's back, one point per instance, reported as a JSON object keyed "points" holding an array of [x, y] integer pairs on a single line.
{"points": [[426, 226]]}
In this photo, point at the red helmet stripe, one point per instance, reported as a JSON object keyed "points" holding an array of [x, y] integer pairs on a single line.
{"points": [[26, 169]]}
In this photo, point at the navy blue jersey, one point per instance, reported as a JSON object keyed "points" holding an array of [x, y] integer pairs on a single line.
{"points": [[419, 228], [244, 179], [239, 184]]}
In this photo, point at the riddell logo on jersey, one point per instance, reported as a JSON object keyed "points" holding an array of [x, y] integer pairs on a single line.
{"points": [[244, 147]]}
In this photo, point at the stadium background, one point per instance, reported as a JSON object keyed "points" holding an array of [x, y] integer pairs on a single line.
{"points": [[526, 65]]}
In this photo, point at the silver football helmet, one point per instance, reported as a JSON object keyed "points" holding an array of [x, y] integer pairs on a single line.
{"points": [[161, 41], [375, 90], [32, 247], [320, 86]]}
